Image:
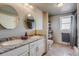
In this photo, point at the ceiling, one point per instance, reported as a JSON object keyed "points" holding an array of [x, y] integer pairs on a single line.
{"points": [[53, 9]]}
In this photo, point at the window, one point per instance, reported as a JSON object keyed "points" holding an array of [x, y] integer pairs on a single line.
{"points": [[65, 23]]}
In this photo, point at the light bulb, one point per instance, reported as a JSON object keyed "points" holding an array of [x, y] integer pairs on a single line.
{"points": [[31, 6], [59, 4], [26, 4], [29, 15]]}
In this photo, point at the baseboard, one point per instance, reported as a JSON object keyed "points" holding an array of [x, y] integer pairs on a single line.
{"points": [[63, 43]]}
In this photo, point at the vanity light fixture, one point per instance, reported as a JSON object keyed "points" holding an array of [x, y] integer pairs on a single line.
{"points": [[31, 6], [60, 4], [28, 5], [29, 15]]}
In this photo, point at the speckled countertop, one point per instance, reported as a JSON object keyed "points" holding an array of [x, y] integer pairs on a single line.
{"points": [[7, 48]]}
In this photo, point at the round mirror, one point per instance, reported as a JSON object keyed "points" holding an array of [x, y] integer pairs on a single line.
{"points": [[8, 17], [29, 22]]}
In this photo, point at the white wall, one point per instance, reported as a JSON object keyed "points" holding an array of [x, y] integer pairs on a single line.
{"points": [[55, 24], [22, 12]]}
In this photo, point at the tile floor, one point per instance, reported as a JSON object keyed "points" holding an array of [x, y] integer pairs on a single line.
{"points": [[62, 50]]}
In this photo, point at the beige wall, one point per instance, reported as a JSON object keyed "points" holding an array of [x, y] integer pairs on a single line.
{"points": [[45, 26], [22, 12], [19, 30]]}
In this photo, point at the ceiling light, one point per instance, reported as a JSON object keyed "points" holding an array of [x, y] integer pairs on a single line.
{"points": [[60, 4], [29, 15], [28, 5], [31, 6]]}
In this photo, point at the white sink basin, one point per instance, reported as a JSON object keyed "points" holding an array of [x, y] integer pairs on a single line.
{"points": [[12, 42]]}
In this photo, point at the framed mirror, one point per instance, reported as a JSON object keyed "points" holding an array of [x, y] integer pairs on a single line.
{"points": [[8, 17], [29, 22]]}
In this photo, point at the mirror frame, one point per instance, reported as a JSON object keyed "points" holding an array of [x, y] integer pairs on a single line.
{"points": [[25, 25], [16, 16]]}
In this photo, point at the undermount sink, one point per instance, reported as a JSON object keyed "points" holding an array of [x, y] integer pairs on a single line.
{"points": [[11, 42]]}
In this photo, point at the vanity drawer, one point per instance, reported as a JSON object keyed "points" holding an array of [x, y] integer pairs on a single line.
{"points": [[17, 51]]}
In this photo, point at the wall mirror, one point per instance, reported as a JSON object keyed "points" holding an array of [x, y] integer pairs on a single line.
{"points": [[29, 22], [8, 17]]}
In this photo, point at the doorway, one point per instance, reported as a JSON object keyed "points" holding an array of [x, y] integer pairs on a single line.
{"points": [[68, 29]]}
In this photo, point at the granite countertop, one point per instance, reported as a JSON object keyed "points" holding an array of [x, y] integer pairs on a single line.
{"points": [[7, 48]]}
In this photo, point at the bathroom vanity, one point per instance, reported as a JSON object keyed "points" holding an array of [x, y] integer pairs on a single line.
{"points": [[34, 46]]}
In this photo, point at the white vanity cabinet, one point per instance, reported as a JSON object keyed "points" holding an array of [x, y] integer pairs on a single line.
{"points": [[40, 47], [37, 48], [25, 52], [34, 48], [17, 51]]}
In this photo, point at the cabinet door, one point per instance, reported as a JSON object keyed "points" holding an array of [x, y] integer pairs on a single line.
{"points": [[33, 49], [37, 48], [25, 54], [41, 47], [17, 51]]}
